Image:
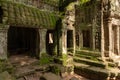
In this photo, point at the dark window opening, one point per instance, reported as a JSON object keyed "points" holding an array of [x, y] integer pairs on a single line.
{"points": [[70, 40], [1, 13], [23, 41], [50, 42], [86, 38], [77, 40], [114, 40]]}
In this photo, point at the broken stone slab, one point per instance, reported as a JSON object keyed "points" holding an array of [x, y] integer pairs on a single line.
{"points": [[6, 76], [51, 76], [74, 78]]}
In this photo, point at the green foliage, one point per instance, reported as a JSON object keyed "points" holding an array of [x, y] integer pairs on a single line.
{"points": [[6, 66], [71, 6], [64, 58], [45, 59], [64, 3], [55, 69], [83, 1], [92, 73]]}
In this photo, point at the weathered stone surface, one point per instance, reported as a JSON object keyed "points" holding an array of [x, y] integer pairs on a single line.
{"points": [[74, 78], [3, 41], [6, 76], [42, 33], [51, 76]]}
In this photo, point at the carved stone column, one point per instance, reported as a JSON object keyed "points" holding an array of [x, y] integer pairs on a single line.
{"points": [[42, 34], [3, 41], [118, 37], [74, 41], [110, 37], [64, 42]]}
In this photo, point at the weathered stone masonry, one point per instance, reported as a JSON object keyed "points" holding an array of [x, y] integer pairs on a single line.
{"points": [[3, 41], [25, 16], [111, 29], [98, 25]]}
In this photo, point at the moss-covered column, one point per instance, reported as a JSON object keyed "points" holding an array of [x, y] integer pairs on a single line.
{"points": [[42, 34], [3, 41], [74, 42]]}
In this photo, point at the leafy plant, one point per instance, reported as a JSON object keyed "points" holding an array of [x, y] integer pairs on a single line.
{"points": [[83, 1], [45, 59], [55, 69]]}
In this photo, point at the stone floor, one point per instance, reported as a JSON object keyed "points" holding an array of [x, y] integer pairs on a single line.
{"points": [[26, 71]]}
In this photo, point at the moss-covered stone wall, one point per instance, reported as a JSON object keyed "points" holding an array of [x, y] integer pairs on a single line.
{"points": [[87, 17]]}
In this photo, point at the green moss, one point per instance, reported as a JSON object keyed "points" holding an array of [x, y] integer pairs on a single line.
{"points": [[23, 15], [55, 69], [45, 59], [64, 59], [83, 1], [92, 73], [6, 66]]}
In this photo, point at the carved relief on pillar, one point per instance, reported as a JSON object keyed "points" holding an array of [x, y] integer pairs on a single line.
{"points": [[3, 41]]}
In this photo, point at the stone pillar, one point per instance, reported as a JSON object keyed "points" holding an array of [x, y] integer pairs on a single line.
{"points": [[93, 39], [102, 33], [64, 42], [110, 37], [102, 41], [74, 41], [3, 41], [118, 37], [42, 34]]}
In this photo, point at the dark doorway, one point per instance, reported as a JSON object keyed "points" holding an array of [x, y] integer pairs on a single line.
{"points": [[86, 38], [70, 40], [77, 40], [1, 13], [23, 41], [50, 42], [114, 40]]}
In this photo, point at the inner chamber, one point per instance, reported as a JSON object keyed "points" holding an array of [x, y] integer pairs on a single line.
{"points": [[23, 41]]}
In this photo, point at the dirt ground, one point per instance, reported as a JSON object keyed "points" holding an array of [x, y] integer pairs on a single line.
{"points": [[22, 60]]}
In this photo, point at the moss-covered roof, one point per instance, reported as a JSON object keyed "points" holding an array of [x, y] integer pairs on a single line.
{"points": [[52, 2], [22, 15]]}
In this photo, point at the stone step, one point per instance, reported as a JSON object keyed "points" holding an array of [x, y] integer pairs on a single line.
{"points": [[96, 73], [88, 53], [89, 57], [90, 62], [27, 70], [87, 70], [24, 63], [112, 64]]}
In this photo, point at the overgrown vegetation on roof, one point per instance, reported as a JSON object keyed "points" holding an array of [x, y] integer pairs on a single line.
{"points": [[83, 1], [22, 15], [52, 2]]}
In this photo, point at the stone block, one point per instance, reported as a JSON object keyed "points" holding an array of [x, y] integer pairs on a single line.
{"points": [[6, 76]]}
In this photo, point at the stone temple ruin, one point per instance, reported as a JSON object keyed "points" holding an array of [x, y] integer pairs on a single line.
{"points": [[72, 32]]}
